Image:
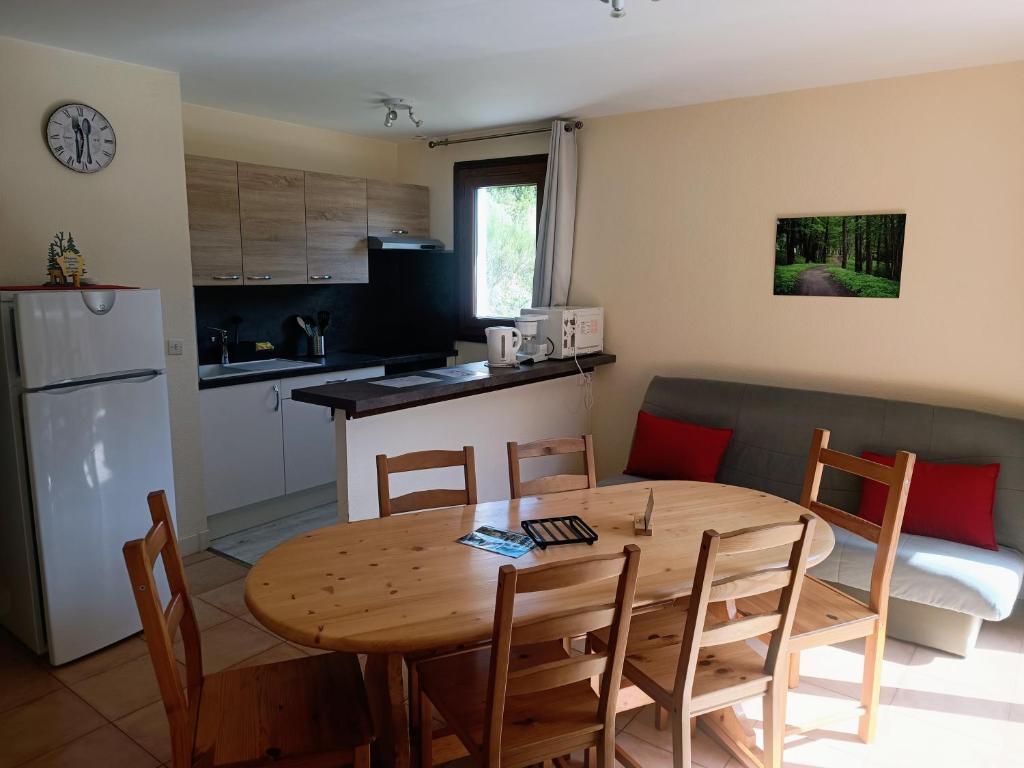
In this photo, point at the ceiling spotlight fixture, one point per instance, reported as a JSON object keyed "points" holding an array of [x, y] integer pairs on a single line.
{"points": [[618, 7], [393, 105]]}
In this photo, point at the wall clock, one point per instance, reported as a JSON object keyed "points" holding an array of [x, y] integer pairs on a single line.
{"points": [[81, 138]]}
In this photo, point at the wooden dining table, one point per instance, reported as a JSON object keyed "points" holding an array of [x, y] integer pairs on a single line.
{"points": [[403, 584]]}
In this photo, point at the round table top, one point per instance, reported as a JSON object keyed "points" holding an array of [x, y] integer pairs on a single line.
{"points": [[403, 583]]}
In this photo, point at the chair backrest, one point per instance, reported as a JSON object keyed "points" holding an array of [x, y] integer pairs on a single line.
{"points": [[719, 549], [558, 446], [590, 593], [432, 499], [161, 623], [884, 536]]}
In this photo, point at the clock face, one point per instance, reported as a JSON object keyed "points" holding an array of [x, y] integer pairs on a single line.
{"points": [[81, 138]]}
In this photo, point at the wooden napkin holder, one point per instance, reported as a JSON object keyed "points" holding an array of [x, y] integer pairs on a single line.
{"points": [[643, 522]]}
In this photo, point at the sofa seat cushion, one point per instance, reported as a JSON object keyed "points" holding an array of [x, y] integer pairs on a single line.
{"points": [[943, 574]]}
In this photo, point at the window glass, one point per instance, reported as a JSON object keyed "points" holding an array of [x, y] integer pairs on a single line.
{"points": [[504, 249]]}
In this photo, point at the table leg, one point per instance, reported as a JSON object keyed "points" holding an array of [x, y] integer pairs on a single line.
{"points": [[387, 703]]}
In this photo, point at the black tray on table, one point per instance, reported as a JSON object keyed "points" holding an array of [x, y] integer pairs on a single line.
{"points": [[551, 531]]}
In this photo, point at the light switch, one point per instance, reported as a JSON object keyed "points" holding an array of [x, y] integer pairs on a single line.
{"points": [[175, 347]]}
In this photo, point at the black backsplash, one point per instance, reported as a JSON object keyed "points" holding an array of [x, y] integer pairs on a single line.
{"points": [[409, 305]]}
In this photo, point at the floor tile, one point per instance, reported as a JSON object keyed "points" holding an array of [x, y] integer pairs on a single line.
{"points": [[644, 753], [101, 661], [36, 728], [229, 643], [198, 557], [230, 597], [107, 747], [251, 544], [121, 690], [207, 615], [705, 751], [211, 573], [24, 679], [280, 652], [148, 727]]}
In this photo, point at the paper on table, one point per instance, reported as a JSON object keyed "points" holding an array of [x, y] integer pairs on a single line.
{"points": [[501, 542], [457, 373], [406, 381]]}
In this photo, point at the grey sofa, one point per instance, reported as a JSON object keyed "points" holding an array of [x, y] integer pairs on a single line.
{"points": [[941, 591]]}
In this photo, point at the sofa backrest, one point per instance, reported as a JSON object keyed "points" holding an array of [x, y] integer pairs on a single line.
{"points": [[773, 428]]}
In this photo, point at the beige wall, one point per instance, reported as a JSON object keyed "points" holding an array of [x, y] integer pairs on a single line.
{"points": [[675, 231], [130, 219], [234, 136]]}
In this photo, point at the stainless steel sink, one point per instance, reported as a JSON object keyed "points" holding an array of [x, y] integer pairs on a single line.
{"points": [[219, 371]]}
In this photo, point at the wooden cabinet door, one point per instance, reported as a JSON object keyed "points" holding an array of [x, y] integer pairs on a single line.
{"points": [[397, 209], [213, 220], [273, 214], [336, 229], [242, 439]]}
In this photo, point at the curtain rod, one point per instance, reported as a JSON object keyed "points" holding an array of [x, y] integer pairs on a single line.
{"points": [[575, 125]]}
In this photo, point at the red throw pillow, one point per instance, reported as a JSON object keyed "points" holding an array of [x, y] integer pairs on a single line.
{"points": [[666, 449], [946, 501]]}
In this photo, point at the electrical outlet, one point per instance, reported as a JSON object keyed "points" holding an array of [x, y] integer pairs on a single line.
{"points": [[175, 347]]}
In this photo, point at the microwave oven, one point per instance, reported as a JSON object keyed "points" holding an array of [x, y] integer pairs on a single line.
{"points": [[571, 330]]}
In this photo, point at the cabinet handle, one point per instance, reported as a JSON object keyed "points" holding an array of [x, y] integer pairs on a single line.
{"points": [[227, 277], [277, 402], [258, 277], [320, 277], [399, 231]]}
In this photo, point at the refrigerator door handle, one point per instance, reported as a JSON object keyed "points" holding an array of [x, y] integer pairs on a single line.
{"points": [[139, 377]]}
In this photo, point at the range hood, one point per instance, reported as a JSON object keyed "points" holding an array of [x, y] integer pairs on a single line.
{"points": [[404, 243]]}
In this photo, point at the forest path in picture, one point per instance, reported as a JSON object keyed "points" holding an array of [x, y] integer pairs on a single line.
{"points": [[816, 281], [852, 256]]}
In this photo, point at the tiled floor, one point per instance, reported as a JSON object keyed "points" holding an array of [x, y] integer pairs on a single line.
{"points": [[938, 710], [253, 543]]}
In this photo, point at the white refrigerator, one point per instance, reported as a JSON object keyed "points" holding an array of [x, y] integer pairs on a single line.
{"points": [[84, 437]]}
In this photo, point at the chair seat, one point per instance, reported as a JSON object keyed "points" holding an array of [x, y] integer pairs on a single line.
{"points": [[725, 673], [314, 707], [564, 717], [824, 615]]}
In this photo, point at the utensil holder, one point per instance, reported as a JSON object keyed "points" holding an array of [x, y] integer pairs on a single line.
{"points": [[318, 345]]}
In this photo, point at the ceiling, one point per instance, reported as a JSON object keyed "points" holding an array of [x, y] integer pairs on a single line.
{"points": [[473, 64]]}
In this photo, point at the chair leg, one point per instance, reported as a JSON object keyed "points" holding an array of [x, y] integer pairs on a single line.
{"points": [[774, 724], [794, 669], [874, 647], [361, 758], [426, 734], [660, 717], [682, 741], [590, 757]]}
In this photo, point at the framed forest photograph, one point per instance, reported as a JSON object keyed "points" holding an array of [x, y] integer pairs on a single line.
{"points": [[860, 256]]}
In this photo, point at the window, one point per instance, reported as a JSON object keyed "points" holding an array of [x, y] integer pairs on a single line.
{"points": [[497, 207]]}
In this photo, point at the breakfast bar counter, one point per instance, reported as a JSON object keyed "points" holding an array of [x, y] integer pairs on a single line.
{"points": [[448, 408]]}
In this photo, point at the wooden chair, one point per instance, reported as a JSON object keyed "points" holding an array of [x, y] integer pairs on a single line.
{"points": [[826, 615], [690, 667], [525, 699], [304, 713], [552, 483], [432, 499]]}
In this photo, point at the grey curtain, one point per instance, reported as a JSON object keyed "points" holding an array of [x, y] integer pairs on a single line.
{"points": [[553, 268]]}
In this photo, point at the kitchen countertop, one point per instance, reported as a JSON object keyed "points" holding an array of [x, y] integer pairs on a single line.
{"points": [[369, 396], [335, 361]]}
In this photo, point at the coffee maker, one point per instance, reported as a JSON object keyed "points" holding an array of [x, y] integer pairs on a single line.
{"points": [[533, 349]]}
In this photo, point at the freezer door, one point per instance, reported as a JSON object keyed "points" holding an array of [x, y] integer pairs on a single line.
{"points": [[69, 335], [95, 452]]}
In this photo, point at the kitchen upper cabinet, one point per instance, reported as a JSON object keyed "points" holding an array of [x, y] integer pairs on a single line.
{"points": [[242, 438], [273, 223], [336, 229], [397, 209], [213, 220]]}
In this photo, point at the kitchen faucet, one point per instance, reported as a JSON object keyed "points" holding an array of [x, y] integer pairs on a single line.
{"points": [[224, 359]]}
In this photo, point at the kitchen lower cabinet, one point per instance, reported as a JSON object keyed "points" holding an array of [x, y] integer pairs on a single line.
{"points": [[243, 444], [259, 443]]}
